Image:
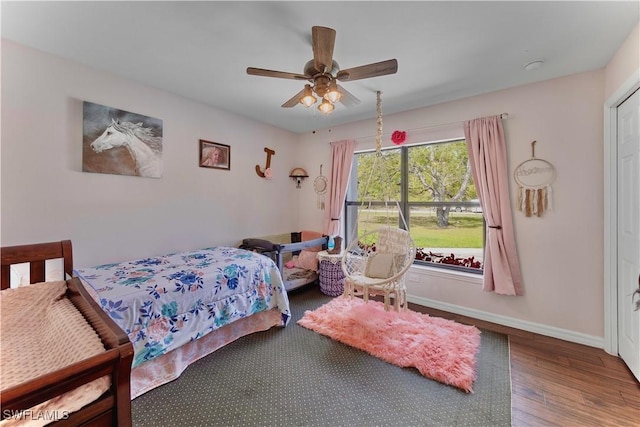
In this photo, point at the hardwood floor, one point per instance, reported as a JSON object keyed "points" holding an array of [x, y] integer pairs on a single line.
{"points": [[559, 383]]}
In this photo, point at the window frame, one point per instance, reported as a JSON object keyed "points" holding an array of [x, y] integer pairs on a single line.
{"points": [[405, 205]]}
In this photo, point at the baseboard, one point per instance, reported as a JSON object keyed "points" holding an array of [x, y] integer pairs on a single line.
{"points": [[537, 328]]}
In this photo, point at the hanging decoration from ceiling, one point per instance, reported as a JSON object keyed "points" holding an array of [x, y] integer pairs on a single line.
{"points": [[534, 178], [378, 123], [378, 167], [398, 137]]}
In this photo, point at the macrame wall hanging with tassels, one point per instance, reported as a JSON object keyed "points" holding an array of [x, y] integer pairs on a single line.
{"points": [[320, 186], [534, 178]]}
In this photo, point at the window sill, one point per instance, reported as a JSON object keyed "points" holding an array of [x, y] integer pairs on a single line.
{"points": [[442, 273]]}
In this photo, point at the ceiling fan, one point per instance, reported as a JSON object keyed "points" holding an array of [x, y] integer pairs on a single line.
{"points": [[323, 72]]}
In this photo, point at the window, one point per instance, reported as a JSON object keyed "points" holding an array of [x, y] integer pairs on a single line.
{"points": [[431, 186]]}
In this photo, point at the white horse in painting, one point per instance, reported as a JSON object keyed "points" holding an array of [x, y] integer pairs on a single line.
{"points": [[138, 140]]}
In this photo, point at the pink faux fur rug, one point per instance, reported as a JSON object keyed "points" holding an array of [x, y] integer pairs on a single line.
{"points": [[440, 349]]}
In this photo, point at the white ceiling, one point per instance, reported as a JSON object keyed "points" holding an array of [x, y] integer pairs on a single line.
{"points": [[445, 50]]}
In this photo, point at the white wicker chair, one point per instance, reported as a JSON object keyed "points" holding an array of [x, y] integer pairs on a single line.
{"points": [[376, 263]]}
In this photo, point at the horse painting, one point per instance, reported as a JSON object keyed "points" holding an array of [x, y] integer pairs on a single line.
{"points": [[144, 148]]}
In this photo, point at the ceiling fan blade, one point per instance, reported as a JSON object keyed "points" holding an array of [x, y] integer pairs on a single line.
{"points": [[348, 99], [323, 40], [389, 66], [279, 74], [294, 100]]}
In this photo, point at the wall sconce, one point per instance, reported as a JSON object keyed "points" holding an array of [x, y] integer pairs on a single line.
{"points": [[298, 174]]}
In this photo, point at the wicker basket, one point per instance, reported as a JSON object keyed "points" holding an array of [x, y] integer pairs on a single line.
{"points": [[331, 278]]}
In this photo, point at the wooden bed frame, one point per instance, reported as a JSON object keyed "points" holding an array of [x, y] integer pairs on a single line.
{"points": [[113, 408]]}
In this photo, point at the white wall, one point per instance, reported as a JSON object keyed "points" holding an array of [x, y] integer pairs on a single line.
{"points": [[46, 196], [625, 62], [560, 253]]}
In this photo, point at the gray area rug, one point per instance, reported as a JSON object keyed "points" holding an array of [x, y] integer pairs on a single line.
{"points": [[296, 377]]}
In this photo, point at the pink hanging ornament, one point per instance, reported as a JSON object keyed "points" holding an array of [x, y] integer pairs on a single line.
{"points": [[398, 137]]}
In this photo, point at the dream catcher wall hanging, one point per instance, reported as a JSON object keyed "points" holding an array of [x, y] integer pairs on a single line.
{"points": [[534, 178], [320, 186]]}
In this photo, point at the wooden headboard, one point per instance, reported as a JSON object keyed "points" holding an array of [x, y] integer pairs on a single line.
{"points": [[35, 255]]}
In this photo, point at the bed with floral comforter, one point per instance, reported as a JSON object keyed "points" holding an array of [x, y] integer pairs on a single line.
{"points": [[165, 302]]}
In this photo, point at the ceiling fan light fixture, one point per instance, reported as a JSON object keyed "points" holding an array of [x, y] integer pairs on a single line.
{"points": [[323, 72], [326, 107], [307, 98], [333, 95]]}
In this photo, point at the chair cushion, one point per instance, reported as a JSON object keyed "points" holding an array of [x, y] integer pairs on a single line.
{"points": [[379, 265]]}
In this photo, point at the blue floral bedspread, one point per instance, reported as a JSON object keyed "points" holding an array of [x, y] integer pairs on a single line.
{"points": [[167, 301]]}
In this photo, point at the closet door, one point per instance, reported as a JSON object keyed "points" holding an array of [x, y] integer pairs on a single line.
{"points": [[628, 222]]}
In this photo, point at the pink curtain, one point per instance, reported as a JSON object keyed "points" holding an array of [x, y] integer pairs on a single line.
{"points": [[341, 160], [488, 155]]}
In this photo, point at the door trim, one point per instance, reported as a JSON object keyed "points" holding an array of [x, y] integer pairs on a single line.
{"points": [[611, 211]]}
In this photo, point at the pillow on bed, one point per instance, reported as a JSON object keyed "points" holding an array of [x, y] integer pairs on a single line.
{"points": [[307, 260], [379, 266]]}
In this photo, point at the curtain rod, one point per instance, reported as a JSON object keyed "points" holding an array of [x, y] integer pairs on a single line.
{"points": [[502, 116]]}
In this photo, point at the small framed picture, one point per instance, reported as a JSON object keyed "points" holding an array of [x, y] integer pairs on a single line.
{"points": [[215, 155]]}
